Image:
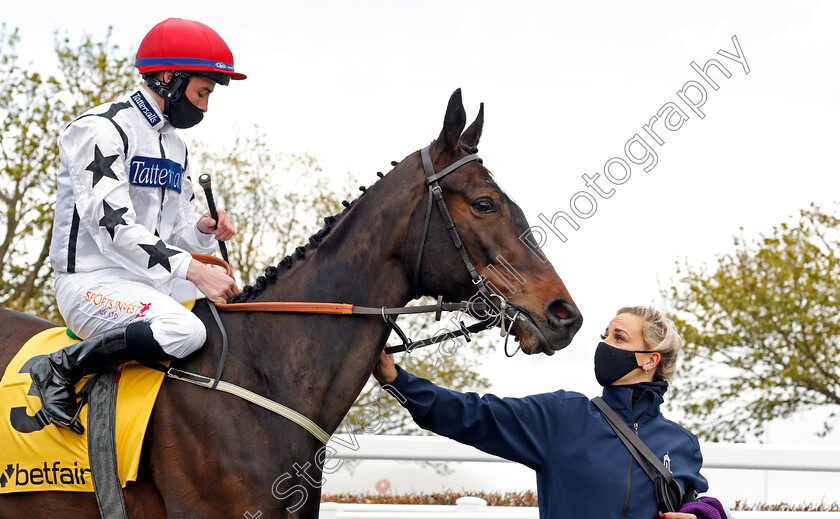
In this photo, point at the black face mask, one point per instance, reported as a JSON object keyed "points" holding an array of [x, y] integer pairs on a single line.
{"points": [[184, 114], [612, 363], [176, 106]]}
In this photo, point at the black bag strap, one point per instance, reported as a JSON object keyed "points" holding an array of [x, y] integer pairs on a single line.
{"points": [[642, 454]]}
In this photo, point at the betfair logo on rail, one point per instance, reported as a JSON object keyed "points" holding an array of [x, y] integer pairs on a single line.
{"points": [[47, 474], [156, 172]]}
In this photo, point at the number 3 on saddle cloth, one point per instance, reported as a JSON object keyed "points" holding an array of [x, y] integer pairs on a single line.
{"points": [[39, 456]]}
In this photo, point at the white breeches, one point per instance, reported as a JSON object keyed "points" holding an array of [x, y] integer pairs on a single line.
{"points": [[95, 302]]}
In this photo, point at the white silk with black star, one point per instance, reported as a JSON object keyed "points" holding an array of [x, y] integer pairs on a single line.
{"points": [[103, 220]]}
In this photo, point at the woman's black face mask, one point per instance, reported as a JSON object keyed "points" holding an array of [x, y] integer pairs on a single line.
{"points": [[612, 363]]}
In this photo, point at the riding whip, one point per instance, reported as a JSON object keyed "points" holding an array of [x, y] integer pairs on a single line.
{"points": [[204, 182]]}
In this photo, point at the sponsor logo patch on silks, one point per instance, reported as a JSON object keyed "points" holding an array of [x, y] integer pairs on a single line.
{"points": [[155, 172], [145, 108]]}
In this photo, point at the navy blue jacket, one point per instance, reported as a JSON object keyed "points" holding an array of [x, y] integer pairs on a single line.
{"points": [[583, 469]]}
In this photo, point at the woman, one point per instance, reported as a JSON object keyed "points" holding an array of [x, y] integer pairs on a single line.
{"points": [[583, 469]]}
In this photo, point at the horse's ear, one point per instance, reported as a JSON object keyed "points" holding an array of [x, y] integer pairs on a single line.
{"points": [[453, 124], [473, 134]]}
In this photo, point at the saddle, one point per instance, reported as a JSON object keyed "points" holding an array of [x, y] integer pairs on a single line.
{"points": [[38, 456]]}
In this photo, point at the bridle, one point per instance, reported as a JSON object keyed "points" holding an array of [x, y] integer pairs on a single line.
{"points": [[488, 306], [436, 195]]}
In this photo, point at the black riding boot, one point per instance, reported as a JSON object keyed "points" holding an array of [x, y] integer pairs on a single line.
{"points": [[56, 375]]}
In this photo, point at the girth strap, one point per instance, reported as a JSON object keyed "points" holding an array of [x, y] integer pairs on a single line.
{"points": [[102, 445]]}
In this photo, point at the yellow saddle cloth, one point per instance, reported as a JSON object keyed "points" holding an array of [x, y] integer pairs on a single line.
{"points": [[34, 457]]}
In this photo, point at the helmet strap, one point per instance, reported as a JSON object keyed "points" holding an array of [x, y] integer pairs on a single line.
{"points": [[171, 92]]}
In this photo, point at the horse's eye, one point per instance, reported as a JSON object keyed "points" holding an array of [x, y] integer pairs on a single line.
{"points": [[484, 205]]}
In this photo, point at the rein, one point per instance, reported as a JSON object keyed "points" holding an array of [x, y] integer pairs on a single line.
{"points": [[435, 197], [474, 308]]}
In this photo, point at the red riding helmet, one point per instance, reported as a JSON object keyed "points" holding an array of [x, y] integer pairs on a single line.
{"points": [[177, 44]]}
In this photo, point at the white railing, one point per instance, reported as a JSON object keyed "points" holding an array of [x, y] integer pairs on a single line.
{"points": [[475, 508], [715, 455], [437, 448]]}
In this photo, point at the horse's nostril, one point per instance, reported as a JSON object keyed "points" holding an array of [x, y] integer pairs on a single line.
{"points": [[561, 312]]}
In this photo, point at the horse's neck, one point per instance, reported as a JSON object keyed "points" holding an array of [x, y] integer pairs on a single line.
{"points": [[361, 260], [315, 364]]}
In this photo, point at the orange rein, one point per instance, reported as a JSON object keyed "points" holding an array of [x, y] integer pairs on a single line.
{"points": [[274, 306]]}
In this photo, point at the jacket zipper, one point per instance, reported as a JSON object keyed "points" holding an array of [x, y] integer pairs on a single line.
{"points": [[627, 495], [629, 464]]}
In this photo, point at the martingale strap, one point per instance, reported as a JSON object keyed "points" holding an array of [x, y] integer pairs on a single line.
{"points": [[254, 398]]}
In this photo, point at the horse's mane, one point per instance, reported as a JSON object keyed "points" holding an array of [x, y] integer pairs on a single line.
{"points": [[249, 292]]}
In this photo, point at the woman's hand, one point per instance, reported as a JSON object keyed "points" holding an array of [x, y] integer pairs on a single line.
{"points": [[223, 231], [385, 371], [677, 515]]}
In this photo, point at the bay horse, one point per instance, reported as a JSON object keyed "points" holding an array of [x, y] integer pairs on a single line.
{"points": [[208, 454]]}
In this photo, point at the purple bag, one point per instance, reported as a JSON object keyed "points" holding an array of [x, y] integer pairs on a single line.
{"points": [[706, 508]]}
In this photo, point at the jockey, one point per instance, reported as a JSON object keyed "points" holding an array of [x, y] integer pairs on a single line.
{"points": [[125, 221]]}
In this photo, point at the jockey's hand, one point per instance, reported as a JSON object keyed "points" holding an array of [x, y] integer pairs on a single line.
{"points": [[385, 371], [213, 283], [223, 231]]}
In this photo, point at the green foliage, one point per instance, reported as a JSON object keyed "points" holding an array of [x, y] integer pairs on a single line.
{"points": [[275, 199], [762, 330], [93, 72], [34, 110]]}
